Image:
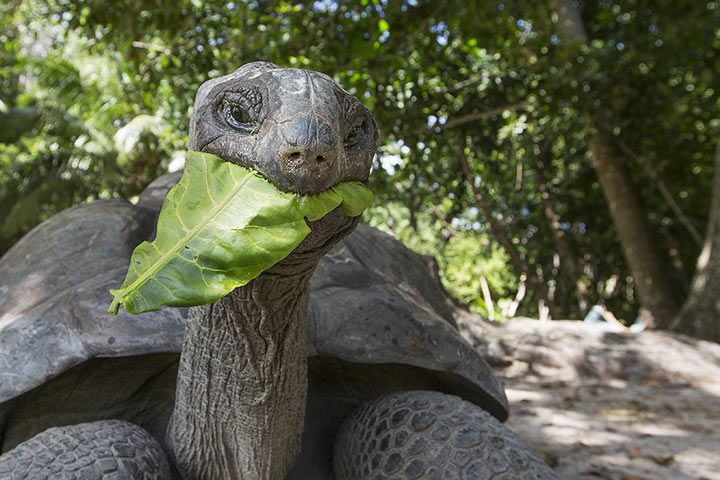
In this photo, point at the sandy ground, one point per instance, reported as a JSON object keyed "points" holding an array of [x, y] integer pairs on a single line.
{"points": [[601, 404]]}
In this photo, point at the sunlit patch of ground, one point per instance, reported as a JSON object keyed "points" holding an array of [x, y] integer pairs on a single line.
{"points": [[606, 405]]}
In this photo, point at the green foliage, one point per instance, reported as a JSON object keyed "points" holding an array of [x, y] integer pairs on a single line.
{"points": [[466, 260], [463, 254], [495, 82], [220, 227]]}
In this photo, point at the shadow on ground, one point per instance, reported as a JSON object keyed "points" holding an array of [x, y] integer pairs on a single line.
{"points": [[599, 404]]}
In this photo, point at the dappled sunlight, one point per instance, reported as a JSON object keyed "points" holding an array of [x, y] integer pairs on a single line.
{"points": [[611, 431], [515, 395], [600, 404]]}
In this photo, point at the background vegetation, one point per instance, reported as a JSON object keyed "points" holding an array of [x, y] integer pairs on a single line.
{"points": [[561, 149]]}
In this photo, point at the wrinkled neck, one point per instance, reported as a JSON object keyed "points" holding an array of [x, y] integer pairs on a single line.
{"points": [[242, 379]]}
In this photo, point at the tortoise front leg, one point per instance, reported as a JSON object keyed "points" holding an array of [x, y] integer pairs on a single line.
{"points": [[430, 435], [103, 450]]}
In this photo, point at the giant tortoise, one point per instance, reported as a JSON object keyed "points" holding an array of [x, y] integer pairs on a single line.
{"points": [[393, 390]]}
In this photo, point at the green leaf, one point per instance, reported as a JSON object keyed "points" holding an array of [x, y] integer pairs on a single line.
{"points": [[383, 26], [355, 197], [220, 227], [317, 206]]}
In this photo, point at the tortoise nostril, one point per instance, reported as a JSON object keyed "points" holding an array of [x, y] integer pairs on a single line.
{"points": [[314, 159]]}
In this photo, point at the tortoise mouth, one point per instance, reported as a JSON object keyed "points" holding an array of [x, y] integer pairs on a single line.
{"points": [[283, 181]]}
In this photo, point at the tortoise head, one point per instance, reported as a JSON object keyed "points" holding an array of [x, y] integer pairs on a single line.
{"points": [[297, 128]]}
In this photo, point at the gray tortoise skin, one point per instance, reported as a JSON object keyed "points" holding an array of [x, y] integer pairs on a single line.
{"points": [[123, 451], [378, 322], [432, 436]]}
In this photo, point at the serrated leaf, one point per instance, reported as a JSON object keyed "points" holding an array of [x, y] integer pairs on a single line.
{"points": [[220, 227]]}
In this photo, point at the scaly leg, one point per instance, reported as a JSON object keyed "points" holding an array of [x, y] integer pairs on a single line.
{"points": [[103, 450], [430, 435]]}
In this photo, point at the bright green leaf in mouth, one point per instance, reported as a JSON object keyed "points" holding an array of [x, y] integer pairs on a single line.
{"points": [[220, 227]]}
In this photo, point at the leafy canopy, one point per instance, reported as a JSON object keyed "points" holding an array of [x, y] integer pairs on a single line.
{"points": [[496, 81]]}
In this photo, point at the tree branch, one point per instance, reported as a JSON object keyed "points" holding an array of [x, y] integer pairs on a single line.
{"points": [[471, 117]]}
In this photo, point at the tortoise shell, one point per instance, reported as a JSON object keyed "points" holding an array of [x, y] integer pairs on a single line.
{"points": [[379, 321]]}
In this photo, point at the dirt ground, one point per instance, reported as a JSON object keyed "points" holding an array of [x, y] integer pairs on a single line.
{"points": [[603, 404]]}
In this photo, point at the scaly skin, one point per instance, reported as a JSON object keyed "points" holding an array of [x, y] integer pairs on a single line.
{"points": [[104, 450], [431, 436]]}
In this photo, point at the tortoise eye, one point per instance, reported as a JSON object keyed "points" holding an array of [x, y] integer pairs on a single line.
{"points": [[238, 117]]}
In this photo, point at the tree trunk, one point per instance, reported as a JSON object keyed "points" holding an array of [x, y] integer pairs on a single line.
{"points": [[653, 286], [700, 316]]}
